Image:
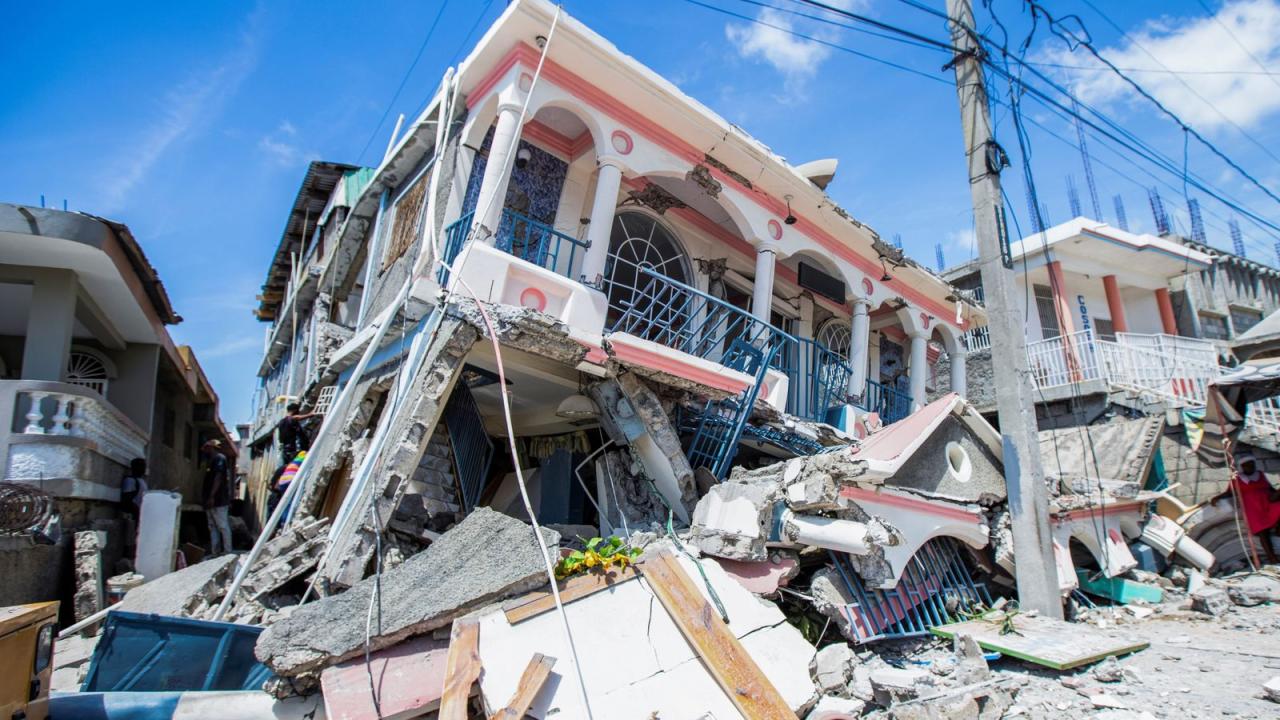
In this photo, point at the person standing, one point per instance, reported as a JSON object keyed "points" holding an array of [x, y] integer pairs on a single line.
{"points": [[217, 497], [292, 434], [1259, 501], [132, 489]]}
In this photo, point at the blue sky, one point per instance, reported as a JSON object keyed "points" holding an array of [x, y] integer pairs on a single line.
{"points": [[193, 122]]}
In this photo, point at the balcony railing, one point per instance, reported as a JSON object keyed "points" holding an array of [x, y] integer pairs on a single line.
{"points": [[63, 410], [668, 312], [455, 235], [818, 378], [889, 403], [538, 243]]}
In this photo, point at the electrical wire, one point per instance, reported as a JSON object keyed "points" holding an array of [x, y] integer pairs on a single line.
{"points": [[403, 80]]}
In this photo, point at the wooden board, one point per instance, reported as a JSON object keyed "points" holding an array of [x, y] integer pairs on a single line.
{"points": [[725, 658], [462, 668], [535, 675], [535, 603], [1053, 643]]}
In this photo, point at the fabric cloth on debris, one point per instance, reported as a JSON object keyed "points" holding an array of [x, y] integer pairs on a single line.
{"points": [[1261, 511]]}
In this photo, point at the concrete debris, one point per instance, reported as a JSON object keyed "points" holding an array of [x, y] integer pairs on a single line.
{"points": [[1271, 689], [832, 707], [189, 592], [832, 668], [484, 558], [1210, 601], [1254, 590], [971, 662], [288, 556], [1108, 671], [894, 685]]}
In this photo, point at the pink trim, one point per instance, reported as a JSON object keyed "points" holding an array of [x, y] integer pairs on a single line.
{"points": [[775, 230], [1100, 510], [581, 144], [673, 366], [640, 122], [540, 134], [868, 287], [532, 297], [595, 354], [874, 496]]}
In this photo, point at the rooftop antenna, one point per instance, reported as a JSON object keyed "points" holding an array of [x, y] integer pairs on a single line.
{"points": [[1088, 165], [897, 240], [1237, 239], [1036, 218], [41, 199], [1121, 219], [1157, 211], [942, 263], [1073, 197]]}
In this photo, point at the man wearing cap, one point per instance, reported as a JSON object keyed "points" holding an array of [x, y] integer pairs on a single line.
{"points": [[1258, 500], [217, 497]]}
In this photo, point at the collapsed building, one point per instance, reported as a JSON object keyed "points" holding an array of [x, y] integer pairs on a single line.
{"points": [[574, 314]]}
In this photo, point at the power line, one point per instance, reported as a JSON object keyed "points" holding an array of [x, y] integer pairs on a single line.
{"points": [[403, 80], [1184, 83], [1159, 71], [1236, 40]]}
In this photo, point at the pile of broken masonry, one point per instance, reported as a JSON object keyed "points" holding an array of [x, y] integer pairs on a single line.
{"points": [[867, 581]]}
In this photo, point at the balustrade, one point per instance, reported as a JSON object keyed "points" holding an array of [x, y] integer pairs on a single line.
{"points": [[66, 410]]}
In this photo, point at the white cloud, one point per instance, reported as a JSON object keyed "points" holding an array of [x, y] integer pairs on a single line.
{"points": [[279, 146], [183, 108], [770, 39], [234, 346], [1195, 44], [960, 246]]}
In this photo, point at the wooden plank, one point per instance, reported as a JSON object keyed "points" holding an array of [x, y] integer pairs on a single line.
{"points": [[462, 669], [728, 662], [575, 588], [1052, 643], [535, 675]]}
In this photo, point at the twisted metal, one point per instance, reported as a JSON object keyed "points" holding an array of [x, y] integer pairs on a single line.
{"points": [[23, 507]]}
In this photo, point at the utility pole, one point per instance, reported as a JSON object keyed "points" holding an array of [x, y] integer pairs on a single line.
{"points": [[1035, 571]]}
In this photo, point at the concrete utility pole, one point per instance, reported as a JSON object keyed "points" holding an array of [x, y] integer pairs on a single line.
{"points": [[1036, 573]]}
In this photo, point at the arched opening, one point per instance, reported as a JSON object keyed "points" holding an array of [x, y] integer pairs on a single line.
{"points": [[639, 246], [88, 368]]}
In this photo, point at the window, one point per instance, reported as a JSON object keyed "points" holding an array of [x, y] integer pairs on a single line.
{"points": [[1103, 329], [404, 224], [639, 242], [1242, 319], [1213, 327], [1047, 311]]}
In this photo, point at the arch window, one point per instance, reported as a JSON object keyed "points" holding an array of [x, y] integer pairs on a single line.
{"points": [[638, 242], [88, 370], [836, 335]]}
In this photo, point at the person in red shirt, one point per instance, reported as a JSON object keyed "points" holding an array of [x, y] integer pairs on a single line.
{"points": [[1259, 501]]}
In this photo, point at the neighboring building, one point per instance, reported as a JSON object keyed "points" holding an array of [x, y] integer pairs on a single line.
{"points": [[1124, 324], [644, 238], [89, 379], [1224, 301]]}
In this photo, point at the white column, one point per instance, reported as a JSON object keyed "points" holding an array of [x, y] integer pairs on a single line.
{"points": [[51, 318], [497, 171], [959, 381], [859, 347], [762, 296], [608, 182], [919, 369]]}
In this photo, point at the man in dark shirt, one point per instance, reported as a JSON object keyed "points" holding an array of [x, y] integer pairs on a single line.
{"points": [[217, 496], [292, 434]]}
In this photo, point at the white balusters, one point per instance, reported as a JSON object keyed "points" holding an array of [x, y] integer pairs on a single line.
{"points": [[35, 415], [61, 416]]}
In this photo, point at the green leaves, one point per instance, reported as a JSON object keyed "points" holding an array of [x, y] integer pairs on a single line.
{"points": [[599, 553]]}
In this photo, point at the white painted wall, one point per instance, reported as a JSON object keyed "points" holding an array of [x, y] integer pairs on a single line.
{"points": [[1141, 310]]}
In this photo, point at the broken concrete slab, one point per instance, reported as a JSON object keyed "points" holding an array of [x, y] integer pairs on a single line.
{"points": [[285, 557], [832, 707], [1210, 601], [832, 668], [484, 558], [662, 672], [732, 520], [894, 685], [409, 429], [665, 461], [185, 592], [1254, 590]]}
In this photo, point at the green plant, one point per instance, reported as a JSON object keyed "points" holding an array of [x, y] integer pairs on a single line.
{"points": [[599, 553]]}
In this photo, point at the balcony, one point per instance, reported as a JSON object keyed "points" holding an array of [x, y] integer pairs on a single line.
{"points": [[67, 439], [520, 235]]}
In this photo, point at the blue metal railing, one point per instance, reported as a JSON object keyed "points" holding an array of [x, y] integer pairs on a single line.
{"points": [[538, 243], [818, 378], [936, 588], [892, 405], [681, 317], [470, 444], [454, 237]]}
